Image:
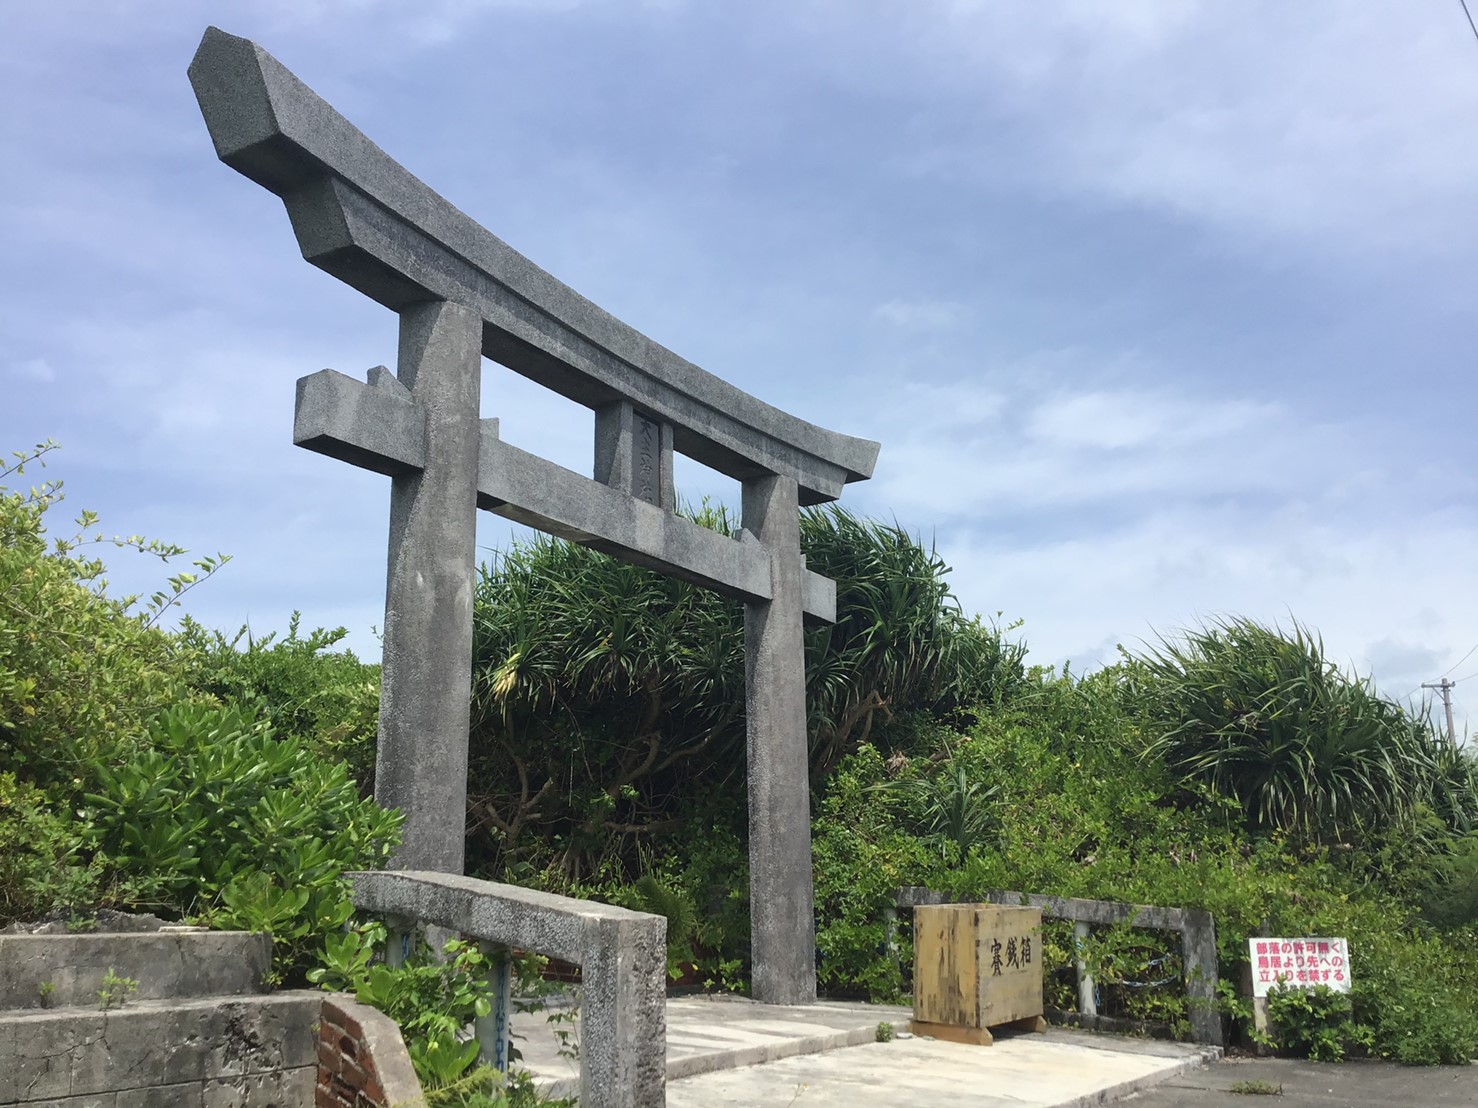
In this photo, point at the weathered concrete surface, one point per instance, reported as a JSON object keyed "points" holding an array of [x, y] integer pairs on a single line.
{"points": [[426, 675], [710, 1033], [286, 1089], [248, 1052], [1363, 1084], [104, 921], [634, 454], [781, 898], [365, 219], [462, 293], [716, 1046], [377, 425], [1056, 1070], [172, 963], [622, 954]]}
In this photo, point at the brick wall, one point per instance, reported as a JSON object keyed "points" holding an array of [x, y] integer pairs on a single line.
{"points": [[362, 1060]]}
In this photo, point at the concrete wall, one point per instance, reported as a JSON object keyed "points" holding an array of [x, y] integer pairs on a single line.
{"points": [[56, 971], [213, 1052], [622, 956], [196, 1032]]}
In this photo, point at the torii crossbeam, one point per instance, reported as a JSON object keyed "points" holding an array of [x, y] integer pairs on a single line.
{"points": [[462, 294]]}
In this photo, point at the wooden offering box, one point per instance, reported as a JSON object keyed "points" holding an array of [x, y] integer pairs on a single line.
{"points": [[976, 966]]}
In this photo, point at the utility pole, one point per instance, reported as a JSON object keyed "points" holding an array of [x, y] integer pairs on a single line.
{"points": [[1445, 687]]}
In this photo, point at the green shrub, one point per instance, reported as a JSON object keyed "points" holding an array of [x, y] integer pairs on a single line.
{"points": [[608, 699], [1316, 1023], [1416, 987], [861, 856], [1074, 811], [648, 893], [81, 671], [213, 816], [1450, 898], [298, 684], [1262, 716], [434, 998], [41, 868]]}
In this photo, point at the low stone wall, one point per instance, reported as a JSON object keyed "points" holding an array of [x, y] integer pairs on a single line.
{"points": [[150, 1016], [622, 956], [362, 1060], [257, 1052], [58, 971], [1197, 930]]}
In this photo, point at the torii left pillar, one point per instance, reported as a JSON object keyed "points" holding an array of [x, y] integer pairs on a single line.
{"points": [[426, 676]]}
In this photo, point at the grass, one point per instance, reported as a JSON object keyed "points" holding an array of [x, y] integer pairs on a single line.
{"points": [[1256, 1088]]}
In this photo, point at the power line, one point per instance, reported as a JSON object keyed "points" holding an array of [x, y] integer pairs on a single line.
{"points": [[1461, 660], [1469, 14]]}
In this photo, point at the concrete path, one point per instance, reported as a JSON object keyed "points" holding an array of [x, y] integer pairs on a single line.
{"points": [[827, 1054]]}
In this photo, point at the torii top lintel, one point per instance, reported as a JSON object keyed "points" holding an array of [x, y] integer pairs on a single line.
{"points": [[361, 216]]}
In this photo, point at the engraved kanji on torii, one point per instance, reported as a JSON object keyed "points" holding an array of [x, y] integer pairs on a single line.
{"points": [[462, 294]]}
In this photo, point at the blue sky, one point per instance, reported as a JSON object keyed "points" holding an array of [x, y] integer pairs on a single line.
{"points": [[1161, 310]]}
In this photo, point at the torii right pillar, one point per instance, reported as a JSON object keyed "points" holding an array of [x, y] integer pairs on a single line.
{"points": [[781, 909]]}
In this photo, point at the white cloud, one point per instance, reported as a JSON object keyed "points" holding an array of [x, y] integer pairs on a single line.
{"points": [[944, 405], [1333, 124], [1082, 594], [1095, 492], [34, 369], [1010, 444], [1116, 420], [921, 315]]}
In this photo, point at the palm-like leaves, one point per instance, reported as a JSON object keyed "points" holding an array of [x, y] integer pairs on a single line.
{"points": [[1263, 716], [605, 696], [900, 638]]}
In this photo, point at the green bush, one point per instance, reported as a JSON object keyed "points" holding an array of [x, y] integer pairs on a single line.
{"points": [[648, 893], [434, 997], [1262, 716], [299, 684], [208, 816], [608, 699], [861, 857], [80, 671], [213, 816], [41, 869], [1064, 804], [1450, 898], [119, 787], [1317, 1023]]}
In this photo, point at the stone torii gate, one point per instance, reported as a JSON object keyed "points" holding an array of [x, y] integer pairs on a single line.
{"points": [[462, 294]]}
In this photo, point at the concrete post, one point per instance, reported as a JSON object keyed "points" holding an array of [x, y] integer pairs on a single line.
{"points": [[783, 929], [1087, 990], [1199, 962], [492, 1030], [623, 1014], [400, 940], [426, 678]]}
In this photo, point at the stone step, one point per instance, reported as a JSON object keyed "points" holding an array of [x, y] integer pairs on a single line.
{"points": [[197, 1052], [56, 971]]}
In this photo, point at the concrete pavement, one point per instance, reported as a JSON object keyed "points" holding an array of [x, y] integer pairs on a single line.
{"points": [[827, 1054], [1314, 1085]]}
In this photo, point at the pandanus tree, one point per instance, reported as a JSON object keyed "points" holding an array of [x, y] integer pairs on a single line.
{"points": [[1263, 716], [608, 700]]}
